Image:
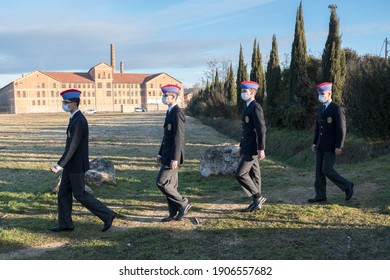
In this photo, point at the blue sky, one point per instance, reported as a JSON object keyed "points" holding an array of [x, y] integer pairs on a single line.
{"points": [[178, 37]]}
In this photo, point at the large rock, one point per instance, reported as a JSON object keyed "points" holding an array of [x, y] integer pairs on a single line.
{"points": [[101, 171], [220, 159]]}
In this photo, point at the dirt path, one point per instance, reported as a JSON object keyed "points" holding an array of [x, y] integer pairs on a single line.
{"points": [[203, 212], [32, 252]]}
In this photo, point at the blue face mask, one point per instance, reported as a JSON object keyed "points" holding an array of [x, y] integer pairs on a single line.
{"points": [[244, 96], [65, 107], [164, 100], [321, 98]]}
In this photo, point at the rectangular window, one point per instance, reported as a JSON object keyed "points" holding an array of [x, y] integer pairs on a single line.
{"points": [[18, 94], [43, 85], [38, 94], [108, 85], [44, 102], [99, 85], [54, 85], [108, 93], [24, 94]]}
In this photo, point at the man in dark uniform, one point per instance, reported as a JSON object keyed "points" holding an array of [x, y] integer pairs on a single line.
{"points": [[328, 143], [252, 145], [171, 154], [75, 163]]}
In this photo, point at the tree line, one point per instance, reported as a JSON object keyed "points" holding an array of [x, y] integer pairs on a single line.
{"points": [[361, 84]]}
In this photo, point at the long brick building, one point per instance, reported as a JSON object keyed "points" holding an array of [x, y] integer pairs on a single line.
{"points": [[102, 89]]}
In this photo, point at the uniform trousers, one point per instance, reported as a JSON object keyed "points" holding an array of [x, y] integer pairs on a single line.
{"points": [[74, 183], [168, 182], [325, 169], [248, 174]]}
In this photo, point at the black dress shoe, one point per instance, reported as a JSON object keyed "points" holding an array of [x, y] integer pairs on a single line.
{"points": [[257, 203], [183, 211], [248, 209], [108, 223], [58, 229], [349, 192], [167, 219], [314, 200]]}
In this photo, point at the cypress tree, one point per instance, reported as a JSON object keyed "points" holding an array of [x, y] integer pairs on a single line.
{"points": [[206, 92], [255, 63], [333, 58], [261, 75], [242, 75], [300, 100], [230, 87], [298, 80], [257, 72], [273, 81], [217, 89]]}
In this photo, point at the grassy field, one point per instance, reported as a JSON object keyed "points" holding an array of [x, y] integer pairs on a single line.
{"points": [[285, 228]]}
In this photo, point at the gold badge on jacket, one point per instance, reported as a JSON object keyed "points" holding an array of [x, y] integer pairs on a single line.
{"points": [[329, 120], [169, 126], [247, 119]]}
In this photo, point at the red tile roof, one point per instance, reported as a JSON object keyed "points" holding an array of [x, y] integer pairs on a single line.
{"points": [[130, 78], [67, 77]]}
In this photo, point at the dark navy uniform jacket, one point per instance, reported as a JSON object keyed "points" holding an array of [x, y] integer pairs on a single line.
{"points": [[172, 146], [253, 129], [75, 157], [330, 128]]}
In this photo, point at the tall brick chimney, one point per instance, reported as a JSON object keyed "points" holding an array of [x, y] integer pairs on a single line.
{"points": [[113, 63], [122, 67]]}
